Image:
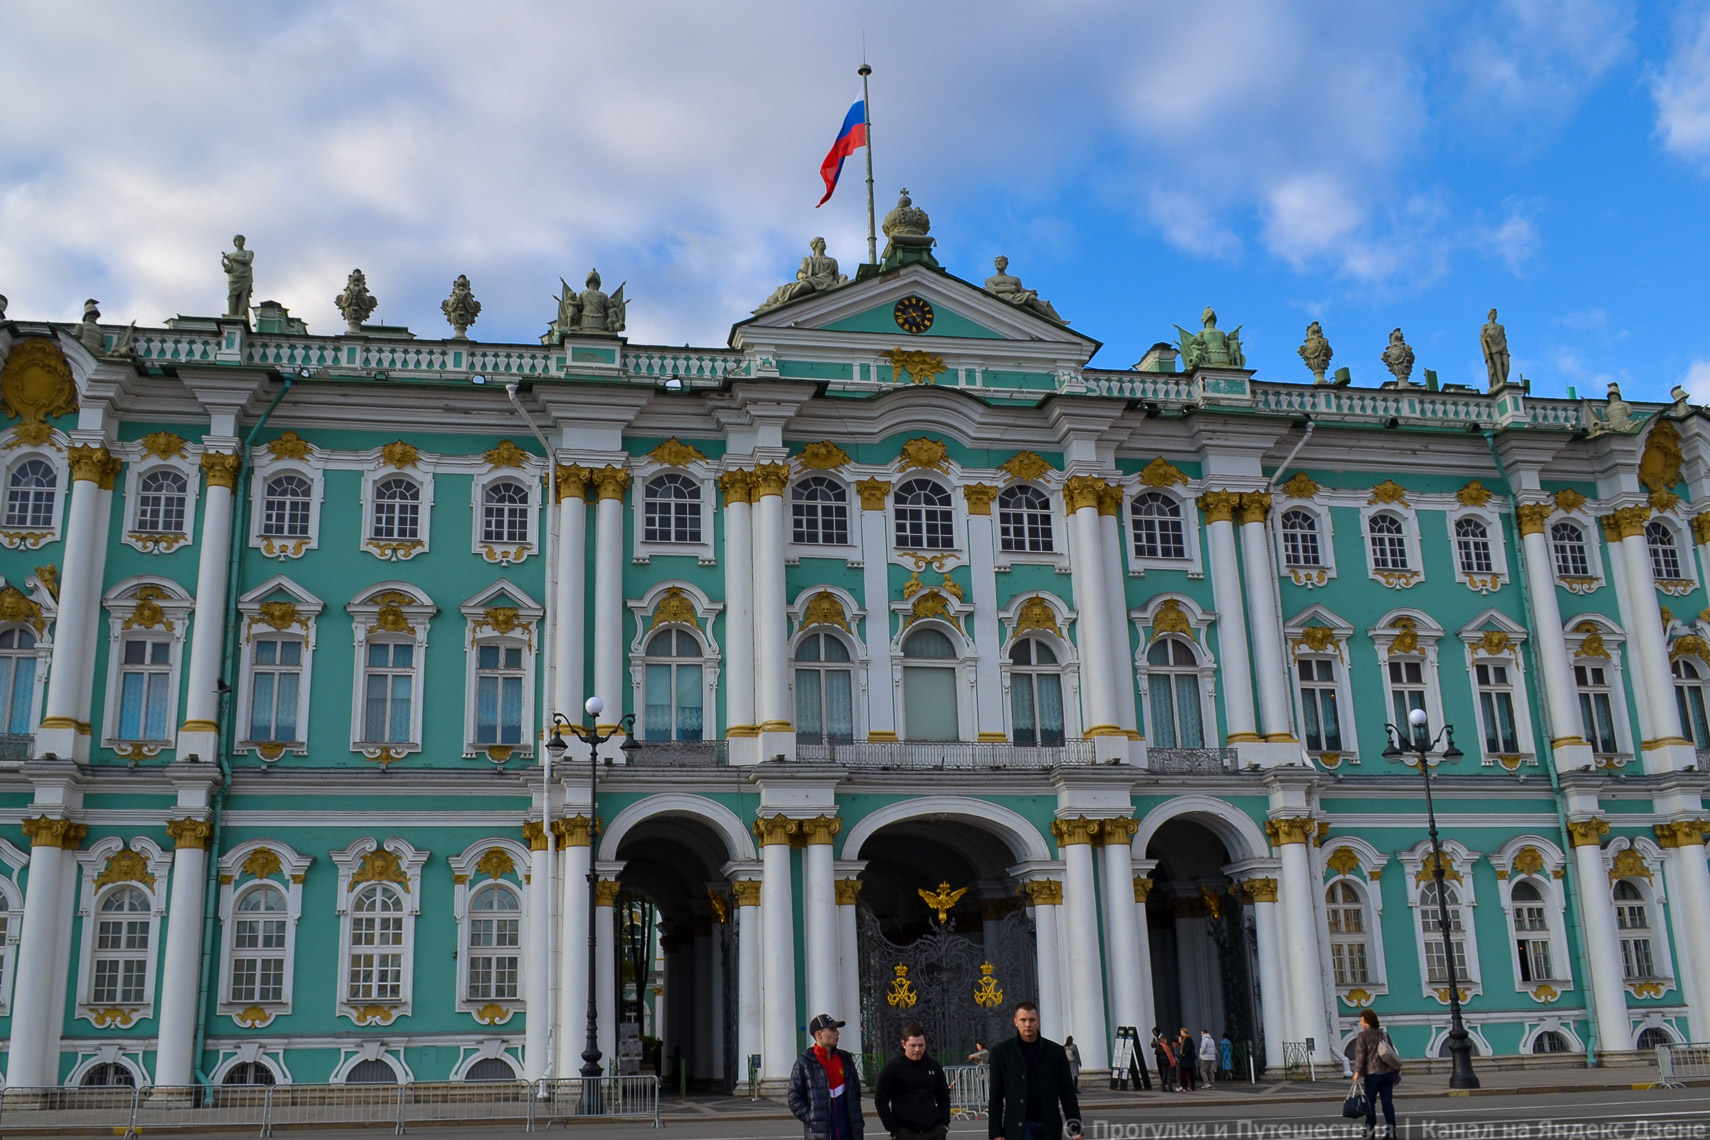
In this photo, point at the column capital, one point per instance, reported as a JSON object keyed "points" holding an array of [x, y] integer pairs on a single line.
{"points": [[92, 465], [1625, 522], [45, 831], [1701, 527], [1255, 505], [221, 468], [848, 890], [737, 485], [1080, 829], [1110, 500], [1044, 892], [746, 892], [770, 479], [1291, 829], [1261, 890], [606, 892], [573, 831], [1533, 517], [187, 832], [774, 829], [873, 493], [1143, 885], [1219, 506], [979, 496], [610, 482], [1081, 492], [1681, 833], [819, 830], [570, 481], [534, 834], [1587, 832], [1117, 832]]}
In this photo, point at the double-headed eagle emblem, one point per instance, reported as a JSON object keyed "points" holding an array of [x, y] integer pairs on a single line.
{"points": [[942, 899]]}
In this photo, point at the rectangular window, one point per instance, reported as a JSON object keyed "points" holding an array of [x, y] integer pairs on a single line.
{"points": [[819, 523], [258, 963], [493, 974], [498, 694], [388, 689], [1349, 959], [145, 678], [1596, 710], [1496, 710], [276, 666], [17, 688], [376, 963], [1322, 723], [1406, 692], [1436, 969], [925, 528]]}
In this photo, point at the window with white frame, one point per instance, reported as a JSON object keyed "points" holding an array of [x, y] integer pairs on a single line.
{"points": [[1472, 546], [499, 678], [379, 898], [1665, 555], [1568, 549], [504, 512], [819, 512], [1173, 685], [285, 506], [1406, 690], [924, 520], [1596, 707], [162, 499], [259, 926], [261, 901], [930, 708], [31, 492], [1633, 922], [494, 944], [10, 916], [375, 955], [671, 509], [1300, 539], [1388, 538], [275, 680], [18, 680], [391, 621], [672, 687], [1496, 708], [1689, 695], [1345, 911], [389, 692], [1158, 528], [1430, 923], [1035, 694], [1321, 718], [122, 952], [1024, 520], [1531, 920], [825, 689], [145, 688], [397, 510]]}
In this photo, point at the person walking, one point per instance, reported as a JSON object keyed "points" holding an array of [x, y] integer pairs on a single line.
{"points": [[1376, 1064], [1226, 1056], [1166, 1061], [912, 1095], [1073, 1052], [981, 1056], [1207, 1059], [825, 1087], [1185, 1066], [1032, 1092]]}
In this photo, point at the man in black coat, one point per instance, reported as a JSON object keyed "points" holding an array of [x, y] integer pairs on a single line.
{"points": [[1029, 1080], [912, 1095]]}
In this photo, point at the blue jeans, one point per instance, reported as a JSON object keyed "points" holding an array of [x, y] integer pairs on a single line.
{"points": [[1380, 1084]]}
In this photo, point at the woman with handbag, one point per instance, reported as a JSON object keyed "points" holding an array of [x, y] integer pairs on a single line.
{"points": [[1376, 1066]]}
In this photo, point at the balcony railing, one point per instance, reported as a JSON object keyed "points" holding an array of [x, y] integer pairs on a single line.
{"points": [[1189, 761], [947, 755], [17, 746], [680, 754]]}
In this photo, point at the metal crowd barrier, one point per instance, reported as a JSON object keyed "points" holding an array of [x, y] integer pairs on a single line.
{"points": [[125, 1111], [970, 1090], [1677, 1063]]}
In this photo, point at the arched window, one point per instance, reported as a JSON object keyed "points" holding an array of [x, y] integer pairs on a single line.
{"points": [[376, 966], [121, 954], [929, 686], [29, 495], [1158, 529], [1550, 1041], [398, 510], [1665, 556], [495, 944], [672, 689], [924, 521], [285, 507], [1689, 694], [1472, 546], [1389, 542], [671, 509], [1346, 911], [1633, 920], [1430, 924], [108, 1074], [276, 670], [1035, 693], [1567, 545], [490, 1069], [249, 1073], [1174, 688], [1596, 707], [504, 512], [258, 947], [161, 498], [1443, 1047], [825, 690], [1531, 932], [819, 512], [499, 679], [1653, 1037], [17, 679], [371, 1072], [388, 692], [1300, 539], [1024, 521]]}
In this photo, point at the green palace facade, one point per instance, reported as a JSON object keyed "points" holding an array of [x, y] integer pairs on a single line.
{"points": [[962, 672]]}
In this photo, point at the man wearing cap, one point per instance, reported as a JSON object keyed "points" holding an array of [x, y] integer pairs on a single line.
{"points": [[825, 1089]]}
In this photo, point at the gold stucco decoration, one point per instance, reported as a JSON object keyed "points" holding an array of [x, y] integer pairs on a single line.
{"points": [[824, 609], [1300, 486], [1028, 465], [942, 899], [1036, 613], [873, 493], [674, 608], [1161, 473], [148, 614], [496, 863], [1528, 860], [492, 1014], [931, 603], [922, 367], [1169, 617], [1428, 870], [1688, 645], [35, 386], [289, 446], [15, 608], [1593, 645], [399, 454], [1660, 462], [1568, 499], [1389, 491], [1406, 638], [391, 617], [221, 468], [823, 456], [1474, 494], [1629, 864], [380, 866], [162, 445], [507, 454], [979, 496], [675, 453], [1343, 861], [926, 454], [1587, 832], [278, 615], [125, 867], [1317, 639], [1495, 643], [262, 863]]}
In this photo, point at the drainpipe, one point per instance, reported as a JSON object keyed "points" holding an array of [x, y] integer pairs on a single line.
{"points": [[228, 717], [1289, 458], [1570, 875]]}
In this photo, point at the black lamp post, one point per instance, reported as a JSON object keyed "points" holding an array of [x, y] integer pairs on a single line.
{"points": [[1419, 741], [593, 738]]}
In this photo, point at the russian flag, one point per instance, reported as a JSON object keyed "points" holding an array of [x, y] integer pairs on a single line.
{"points": [[852, 136]]}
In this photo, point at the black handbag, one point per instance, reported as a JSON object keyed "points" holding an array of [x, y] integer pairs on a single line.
{"points": [[1356, 1105]]}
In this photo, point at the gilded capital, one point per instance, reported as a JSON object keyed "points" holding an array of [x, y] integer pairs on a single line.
{"points": [[820, 830], [534, 834], [1081, 492], [770, 479], [193, 833], [44, 831], [90, 464], [1080, 829], [606, 892], [1143, 885], [1681, 833], [737, 485], [1261, 890], [1626, 522], [1294, 829], [1044, 892], [848, 891], [873, 493], [611, 482], [979, 497], [1117, 832], [746, 892], [570, 481], [1255, 505], [572, 831], [1110, 501], [1220, 506], [1587, 832], [221, 468], [1701, 528], [770, 829], [1533, 517]]}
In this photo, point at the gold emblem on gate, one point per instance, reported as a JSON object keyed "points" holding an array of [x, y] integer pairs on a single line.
{"points": [[901, 995], [986, 992], [942, 899]]}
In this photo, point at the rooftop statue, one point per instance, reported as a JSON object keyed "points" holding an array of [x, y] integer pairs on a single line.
{"points": [[1398, 357], [89, 328], [1494, 340], [589, 311], [1617, 417], [1316, 352], [1006, 288], [2, 306], [1211, 347], [1681, 397], [239, 265], [355, 302], [461, 308], [817, 274]]}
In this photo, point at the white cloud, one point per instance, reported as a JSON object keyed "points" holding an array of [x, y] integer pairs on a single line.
{"points": [[1682, 89], [1528, 63], [1697, 381]]}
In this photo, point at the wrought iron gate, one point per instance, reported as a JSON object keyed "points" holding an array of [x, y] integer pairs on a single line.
{"points": [[735, 1067], [955, 988]]}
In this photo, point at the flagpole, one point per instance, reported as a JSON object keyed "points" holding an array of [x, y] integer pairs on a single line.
{"points": [[867, 115]]}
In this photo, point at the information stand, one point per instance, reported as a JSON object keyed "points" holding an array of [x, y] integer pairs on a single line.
{"points": [[1127, 1070]]}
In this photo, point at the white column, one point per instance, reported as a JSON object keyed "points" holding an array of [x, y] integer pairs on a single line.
{"points": [[572, 837], [537, 969], [1650, 647], [820, 956], [1270, 669], [771, 627], [1273, 990], [200, 733], [38, 996], [849, 955], [1689, 894], [875, 589], [1116, 610], [778, 937], [79, 605], [1234, 670], [182, 955], [750, 1009], [570, 630], [1602, 941], [1092, 622], [92, 638], [1046, 898], [1300, 935], [609, 609], [737, 676], [605, 968], [1080, 934], [1572, 750], [1142, 887], [988, 638], [1123, 960]]}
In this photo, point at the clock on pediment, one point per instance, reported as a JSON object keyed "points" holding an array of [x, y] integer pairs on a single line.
{"points": [[913, 314]]}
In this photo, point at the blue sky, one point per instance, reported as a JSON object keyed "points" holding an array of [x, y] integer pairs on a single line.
{"points": [[1365, 165]]}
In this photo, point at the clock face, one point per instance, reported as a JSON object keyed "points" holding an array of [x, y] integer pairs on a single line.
{"points": [[913, 314]]}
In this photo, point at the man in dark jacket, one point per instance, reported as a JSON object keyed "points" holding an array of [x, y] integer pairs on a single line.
{"points": [[825, 1089], [912, 1095], [1030, 1079]]}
